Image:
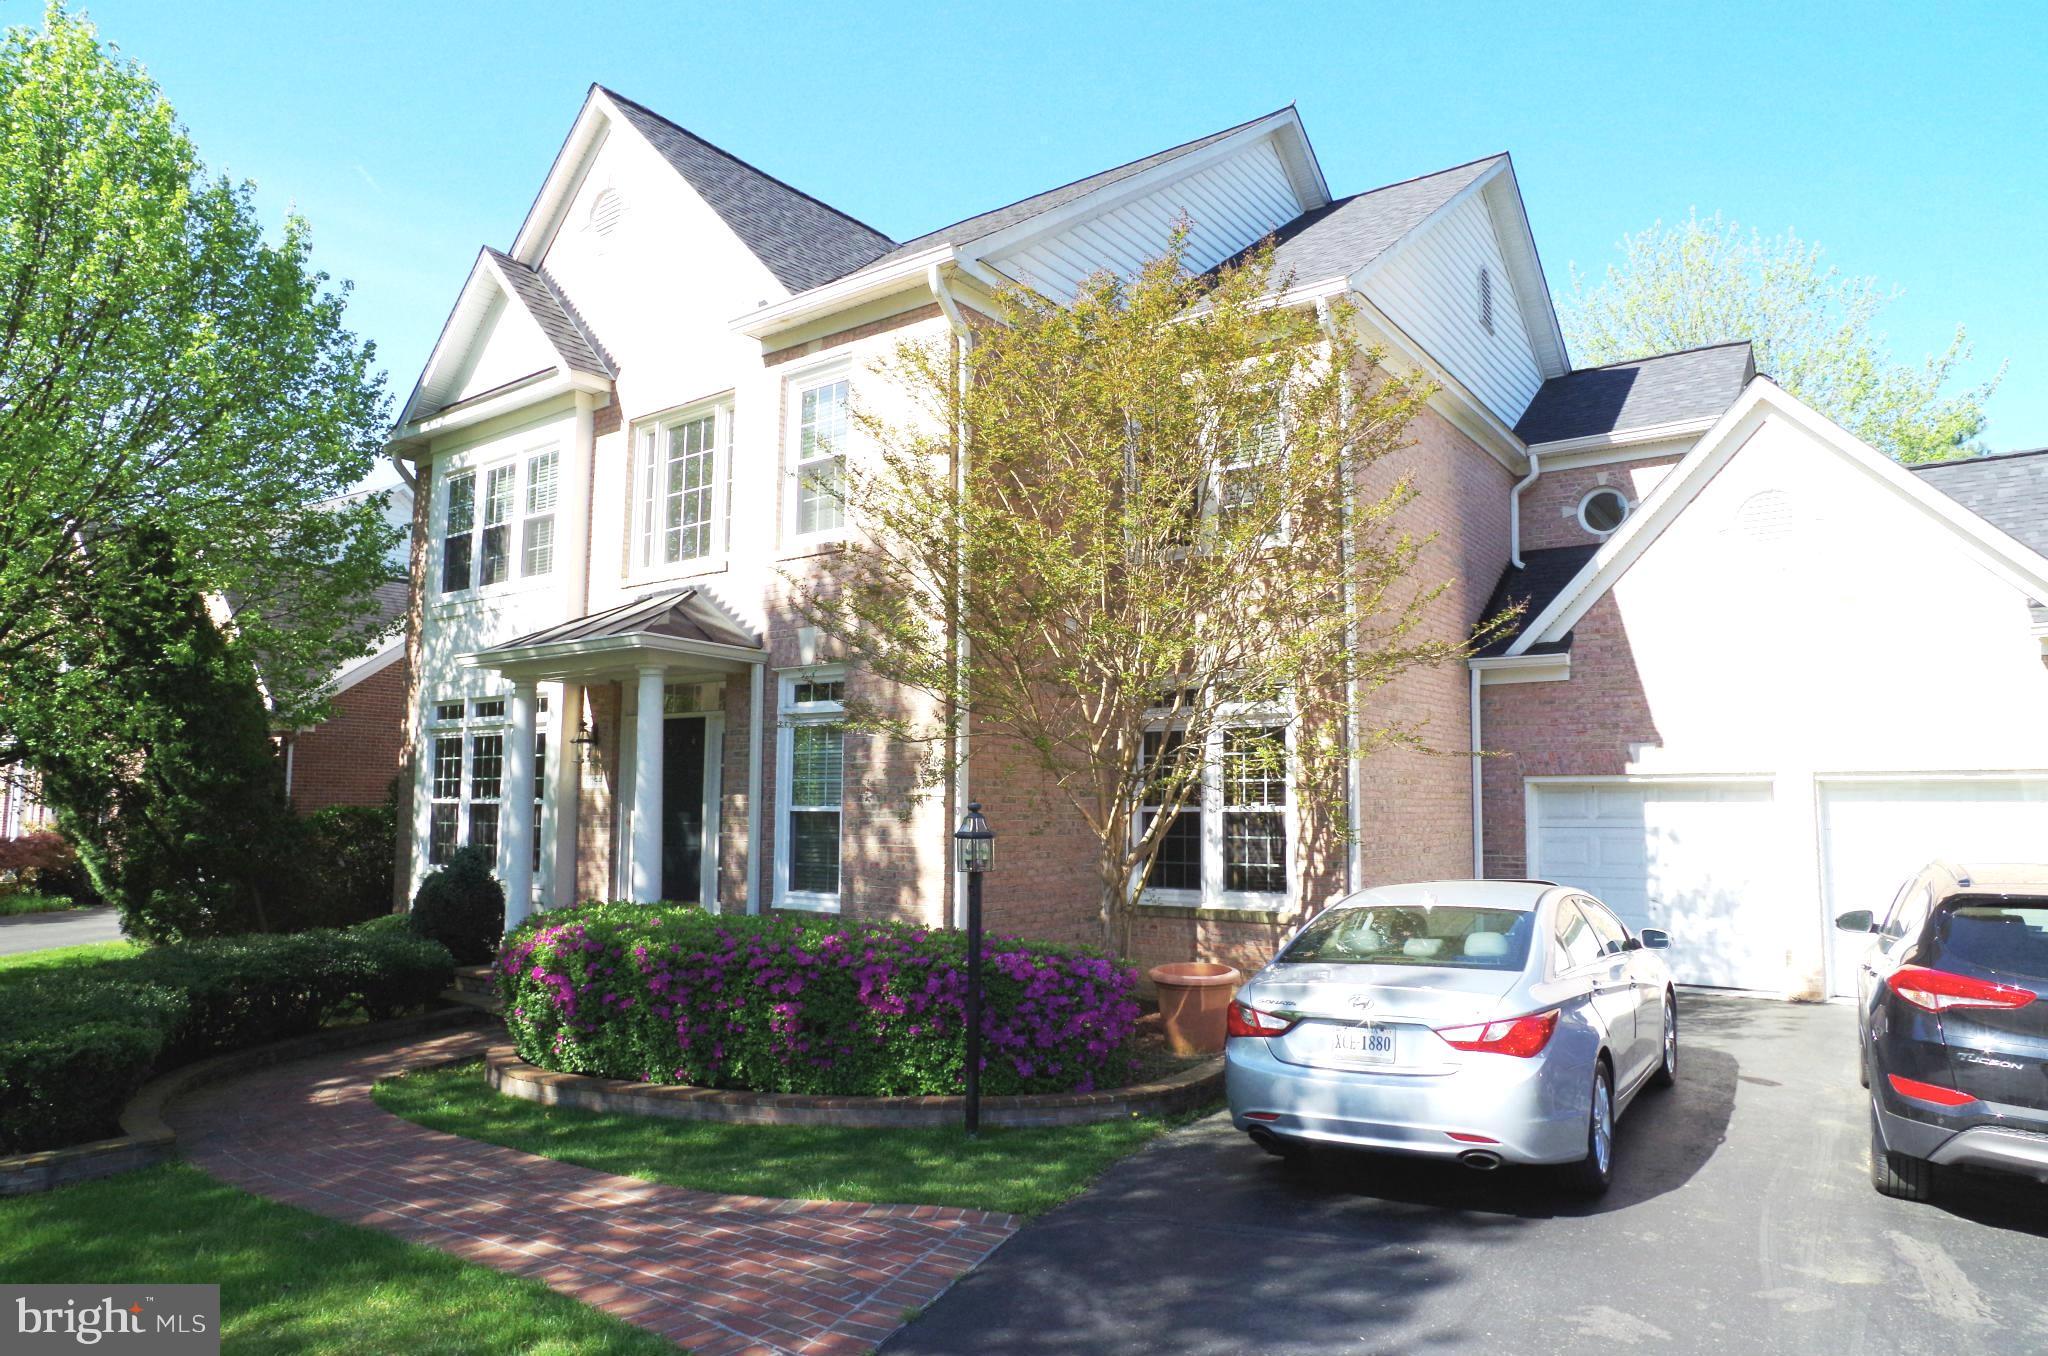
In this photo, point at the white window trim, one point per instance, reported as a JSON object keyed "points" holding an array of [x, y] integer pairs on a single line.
{"points": [[1212, 895], [789, 715], [463, 728], [480, 468], [1627, 508], [795, 383], [647, 436]]}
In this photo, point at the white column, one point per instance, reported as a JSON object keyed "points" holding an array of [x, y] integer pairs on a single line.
{"points": [[757, 718], [647, 749], [515, 809]]}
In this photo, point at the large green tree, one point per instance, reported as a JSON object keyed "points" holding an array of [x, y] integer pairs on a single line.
{"points": [[166, 365], [1706, 281]]}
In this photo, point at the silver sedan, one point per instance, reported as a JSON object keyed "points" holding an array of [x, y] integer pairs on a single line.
{"points": [[1489, 1021]]}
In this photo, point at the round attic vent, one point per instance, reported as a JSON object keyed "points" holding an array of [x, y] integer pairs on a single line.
{"points": [[605, 211], [1766, 517]]}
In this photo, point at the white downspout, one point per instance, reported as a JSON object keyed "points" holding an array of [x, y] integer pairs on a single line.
{"points": [[1354, 776], [1478, 786], [1515, 510], [935, 278], [1478, 775]]}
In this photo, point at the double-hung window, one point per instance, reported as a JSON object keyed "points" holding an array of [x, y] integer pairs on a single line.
{"points": [[1229, 845], [820, 423], [466, 776], [685, 474], [481, 510], [1244, 470], [811, 776]]}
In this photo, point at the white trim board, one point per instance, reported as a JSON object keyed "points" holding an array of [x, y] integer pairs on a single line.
{"points": [[2001, 554]]}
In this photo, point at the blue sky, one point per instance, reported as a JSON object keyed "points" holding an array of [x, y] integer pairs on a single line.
{"points": [[1906, 139]]}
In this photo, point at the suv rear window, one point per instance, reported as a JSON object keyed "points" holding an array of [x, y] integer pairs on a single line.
{"points": [[1478, 939], [2009, 935]]}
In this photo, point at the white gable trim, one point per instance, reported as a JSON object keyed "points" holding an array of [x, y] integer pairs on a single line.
{"points": [[355, 670], [587, 134], [2001, 554]]}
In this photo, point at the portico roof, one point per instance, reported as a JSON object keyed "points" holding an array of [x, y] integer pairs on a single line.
{"points": [[683, 625]]}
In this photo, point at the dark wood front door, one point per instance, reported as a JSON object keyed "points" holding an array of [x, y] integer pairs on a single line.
{"points": [[682, 804]]}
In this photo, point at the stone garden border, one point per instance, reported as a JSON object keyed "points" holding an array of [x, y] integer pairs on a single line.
{"points": [[146, 1138], [1184, 1091]]}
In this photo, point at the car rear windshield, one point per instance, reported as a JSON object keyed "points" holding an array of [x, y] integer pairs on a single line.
{"points": [[2009, 935], [1479, 939]]}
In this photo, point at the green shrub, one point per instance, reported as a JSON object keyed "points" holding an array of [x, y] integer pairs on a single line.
{"points": [[348, 857], [76, 1043], [462, 906], [671, 994]]}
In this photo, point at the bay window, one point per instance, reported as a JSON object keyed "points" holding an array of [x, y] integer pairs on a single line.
{"points": [[477, 545], [466, 775]]}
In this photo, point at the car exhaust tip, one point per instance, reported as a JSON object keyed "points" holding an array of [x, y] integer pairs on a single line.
{"points": [[1480, 1160], [1270, 1142]]}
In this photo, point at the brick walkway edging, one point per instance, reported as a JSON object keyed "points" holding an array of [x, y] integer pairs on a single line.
{"points": [[147, 1139], [1184, 1091]]}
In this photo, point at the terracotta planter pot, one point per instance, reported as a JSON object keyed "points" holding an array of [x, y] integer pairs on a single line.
{"points": [[1194, 1001]]}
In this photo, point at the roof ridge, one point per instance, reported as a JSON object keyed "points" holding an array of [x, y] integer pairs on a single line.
{"points": [[1980, 457], [1418, 178], [1674, 353], [748, 165], [1084, 178]]}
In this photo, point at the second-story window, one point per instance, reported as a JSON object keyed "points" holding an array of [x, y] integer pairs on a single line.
{"points": [[817, 460], [684, 472], [456, 543], [478, 548], [494, 561], [538, 534]]}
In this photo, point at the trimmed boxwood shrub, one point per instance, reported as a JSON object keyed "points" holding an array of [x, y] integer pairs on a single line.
{"points": [[671, 994], [462, 906], [77, 1042]]}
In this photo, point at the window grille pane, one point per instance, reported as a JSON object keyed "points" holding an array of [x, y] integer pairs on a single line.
{"points": [[483, 827], [1161, 751], [486, 766], [818, 506], [498, 494], [1178, 865], [692, 451], [814, 851], [812, 693], [818, 766], [821, 451], [455, 556], [448, 711], [491, 708], [495, 565], [1255, 767], [441, 837], [540, 546], [461, 502], [540, 482], [540, 781], [1255, 852], [822, 428], [448, 768]]}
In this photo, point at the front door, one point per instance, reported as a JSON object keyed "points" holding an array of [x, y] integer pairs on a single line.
{"points": [[682, 801]]}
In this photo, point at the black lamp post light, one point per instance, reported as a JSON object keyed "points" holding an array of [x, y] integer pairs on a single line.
{"points": [[974, 851]]}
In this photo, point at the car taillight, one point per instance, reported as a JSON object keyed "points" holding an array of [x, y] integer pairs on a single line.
{"points": [[1517, 1036], [1932, 1093], [1938, 990], [1246, 1020]]}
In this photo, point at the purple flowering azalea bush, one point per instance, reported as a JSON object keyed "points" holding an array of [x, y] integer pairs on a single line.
{"points": [[671, 994]]}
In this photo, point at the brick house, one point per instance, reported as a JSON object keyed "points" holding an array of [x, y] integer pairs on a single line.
{"points": [[617, 437]]}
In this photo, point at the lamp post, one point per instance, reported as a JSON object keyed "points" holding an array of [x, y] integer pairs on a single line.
{"points": [[974, 850]]}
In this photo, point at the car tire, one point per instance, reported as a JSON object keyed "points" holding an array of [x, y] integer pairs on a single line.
{"points": [[1897, 1175], [1667, 1067], [1593, 1174]]}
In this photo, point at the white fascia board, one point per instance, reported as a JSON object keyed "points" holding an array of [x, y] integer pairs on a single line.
{"points": [[2005, 557], [1525, 265], [593, 123], [565, 655], [410, 439], [364, 666], [1499, 670], [841, 293], [466, 313], [1561, 452], [1453, 399]]}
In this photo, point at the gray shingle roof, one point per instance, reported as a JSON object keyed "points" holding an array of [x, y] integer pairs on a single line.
{"points": [[988, 223], [1543, 576], [1345, 236], [802, 241], [681, 615], [1698, 383], [557, 319], [2009, 491]]}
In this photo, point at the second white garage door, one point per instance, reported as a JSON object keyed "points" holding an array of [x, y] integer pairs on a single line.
{"points": [[1697, 859]]}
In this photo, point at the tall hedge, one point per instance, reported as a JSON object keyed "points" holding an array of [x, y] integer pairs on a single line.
{"points": [[670, 994], [77, 1042]]}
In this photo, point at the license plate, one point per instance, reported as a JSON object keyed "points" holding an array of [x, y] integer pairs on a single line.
{"points": [[1370, 1044]]}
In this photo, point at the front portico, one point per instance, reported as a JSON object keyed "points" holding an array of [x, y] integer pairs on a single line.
{"points": [[669, 655]]}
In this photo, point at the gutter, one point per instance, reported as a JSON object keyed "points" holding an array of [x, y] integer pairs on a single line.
{"points": [[1354, 850], [935, 279]]}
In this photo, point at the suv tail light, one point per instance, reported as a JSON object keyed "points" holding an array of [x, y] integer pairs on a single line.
{"points": [[1246, 1020], [1938, 990], [1517, 1036]]}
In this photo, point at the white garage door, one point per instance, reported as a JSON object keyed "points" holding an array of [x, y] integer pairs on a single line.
{"points": [[1696, 859], [1874, 834]]}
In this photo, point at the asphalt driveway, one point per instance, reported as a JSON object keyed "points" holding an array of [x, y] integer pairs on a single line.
{"points": [[70, 927], [1741, 1220]]}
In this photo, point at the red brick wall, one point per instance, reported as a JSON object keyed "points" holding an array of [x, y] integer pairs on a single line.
{"points": [[350, 758], [1550, 507], [1581, 727]]}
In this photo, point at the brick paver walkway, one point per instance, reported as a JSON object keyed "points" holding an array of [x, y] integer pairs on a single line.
{"points": [[719, 1274]]}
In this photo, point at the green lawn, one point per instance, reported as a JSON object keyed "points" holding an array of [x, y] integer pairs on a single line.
{"points": [[292, 1281], [58, 957], [1021, 1171], [28, 901]]}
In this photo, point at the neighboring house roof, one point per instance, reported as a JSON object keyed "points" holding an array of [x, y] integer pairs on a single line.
{"points": [[1002, 218], [558, 319], [2008, 490], [801, 240], [1543, 576], [1344, 236], [1670, 388]]}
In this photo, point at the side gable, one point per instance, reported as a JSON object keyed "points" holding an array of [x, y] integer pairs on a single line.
{"points": [[1762, 406]]}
